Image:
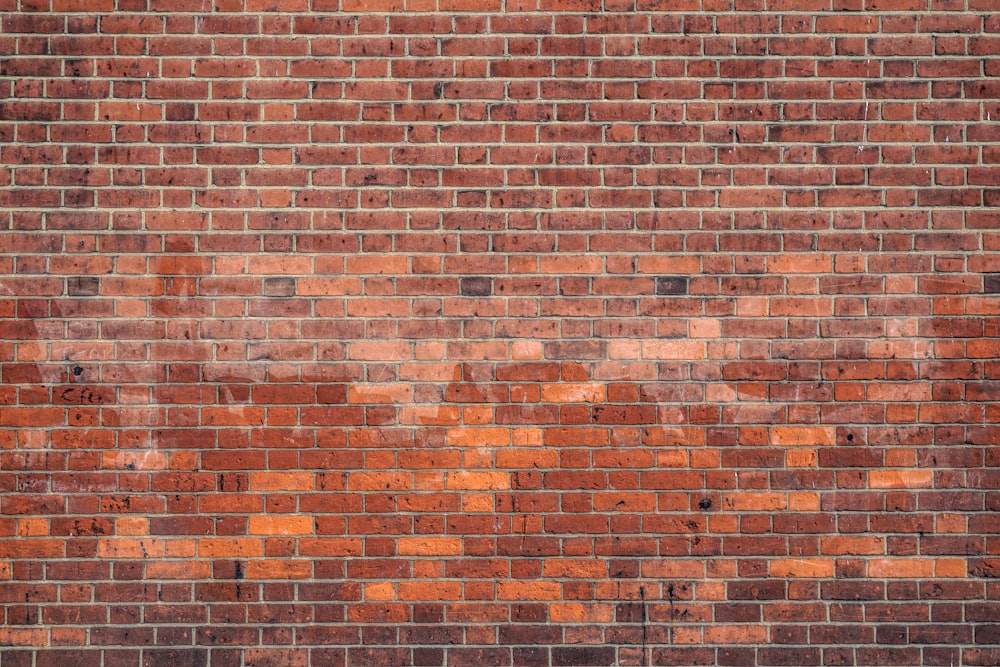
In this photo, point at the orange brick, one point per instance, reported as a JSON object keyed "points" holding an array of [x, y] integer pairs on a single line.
{"points": [[673, 569], [379, 481], [844, 545], [571, 264], [478, 437], [812, 568], [576, 612], [801, 458], [178, 569], [899, 349], [673, 349], [429, 546], [624, 349], [269, 524], [370, 351], [951, 523], [529, 590], [230, 547], [429, 481], [884, 392], [575, 568], [379, 590], [232, 416], [707, 327], [180, 548], [287, 657], [379, 394], [710, 590], [130, 548], [953, 568], [688, 635], [430, 415], [527, 458], [815, 263], [754, 501], [330, 547], [23, 636], [573, 393], [32, 527], [527, 437], [803, 436], [282, 481], [803, 501], [477, 414], [131, 525], [67, 636], [735, 634], [478, 502], [526, 350], [279, 569], [903, 568], [435, 590], [478, 481], [329, 286], [135, 460], [900, 479], [901, 457]]}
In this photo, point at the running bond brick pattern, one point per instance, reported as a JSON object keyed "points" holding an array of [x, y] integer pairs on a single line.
{"points": [[499, 332]]}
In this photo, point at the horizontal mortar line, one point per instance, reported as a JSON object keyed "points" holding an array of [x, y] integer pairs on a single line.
{"points": [[506, 22], [500, 58], [456, 79], [558, 12], [542, 125], [554, 15], [523, 210]]}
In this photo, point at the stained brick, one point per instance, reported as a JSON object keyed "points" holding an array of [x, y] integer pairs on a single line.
{"points": [[671, 285], [476, 286], [83, 286]]}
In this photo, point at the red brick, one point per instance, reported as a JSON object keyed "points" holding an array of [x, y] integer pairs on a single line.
{"points": [[635, 333]]}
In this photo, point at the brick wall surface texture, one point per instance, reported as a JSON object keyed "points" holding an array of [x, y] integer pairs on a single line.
{"points": [[499, 332]]}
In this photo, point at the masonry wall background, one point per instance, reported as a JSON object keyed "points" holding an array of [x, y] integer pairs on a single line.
{"points": [[499, 332]]}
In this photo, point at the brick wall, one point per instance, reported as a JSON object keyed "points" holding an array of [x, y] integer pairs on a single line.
{"points": [[499, 332]]}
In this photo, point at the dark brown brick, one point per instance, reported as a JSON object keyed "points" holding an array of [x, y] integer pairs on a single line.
{"points": [[476, 286], [583, 655], [279, 286], [83, 286], [671, 285], [181, 657]]}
